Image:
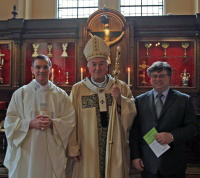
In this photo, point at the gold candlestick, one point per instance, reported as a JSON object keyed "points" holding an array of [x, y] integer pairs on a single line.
{"points": [[35, 48], [165, 45], [67, 78], [1, 62], [147, 46], [143, 66], [185, 46], [64, 46], [1, 67], [50, 46]]}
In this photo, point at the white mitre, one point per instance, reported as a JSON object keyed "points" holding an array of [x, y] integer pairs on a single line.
{"points": [[96, 47]]}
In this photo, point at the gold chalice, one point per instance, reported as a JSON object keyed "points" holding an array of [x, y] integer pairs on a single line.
{"points": [[35, 48], [185, 46], [64, 46], [165, 45], [147, 46]]}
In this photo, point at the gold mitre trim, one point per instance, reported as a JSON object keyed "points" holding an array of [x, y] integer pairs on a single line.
{"points": [[96, 47]]}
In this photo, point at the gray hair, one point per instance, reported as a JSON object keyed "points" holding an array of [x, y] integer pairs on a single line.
{"points": [[158, 67]]}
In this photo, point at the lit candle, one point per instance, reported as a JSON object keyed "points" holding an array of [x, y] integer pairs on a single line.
{"points": [[81, 73], [59, 75], [52, 75], [129, 75]]}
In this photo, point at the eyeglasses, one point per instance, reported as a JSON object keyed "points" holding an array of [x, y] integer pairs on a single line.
{"points": [[161, 76], [46, 67]]}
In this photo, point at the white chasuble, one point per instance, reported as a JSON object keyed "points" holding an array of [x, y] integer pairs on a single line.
{"points": [[34, 153], [92, 132]]}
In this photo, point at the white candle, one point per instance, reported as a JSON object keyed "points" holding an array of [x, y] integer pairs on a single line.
{"points": [[129, 75], [59, 76], [81, 73], [52, 75]]}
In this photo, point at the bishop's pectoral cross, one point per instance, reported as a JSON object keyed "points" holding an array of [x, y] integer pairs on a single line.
{"points": [[102, 101], [1, 66]]}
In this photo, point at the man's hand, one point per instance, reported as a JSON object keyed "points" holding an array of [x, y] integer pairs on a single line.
{"points": [[116, 94], [41, 122], [76, 158], [138, 164], [164, 138]]}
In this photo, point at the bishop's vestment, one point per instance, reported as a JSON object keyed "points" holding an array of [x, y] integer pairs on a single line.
{"points": [[93, 129]]}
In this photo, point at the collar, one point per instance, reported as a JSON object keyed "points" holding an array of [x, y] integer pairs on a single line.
{"points": [[165, 93], [88, 83], [38, 86], [102, 84]]}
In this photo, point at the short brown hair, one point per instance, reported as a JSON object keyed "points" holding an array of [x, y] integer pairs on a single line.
{"points": [[158, 67], [42, 57]]}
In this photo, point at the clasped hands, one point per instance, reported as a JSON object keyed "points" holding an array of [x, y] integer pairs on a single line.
{"points": [[41, 122]]}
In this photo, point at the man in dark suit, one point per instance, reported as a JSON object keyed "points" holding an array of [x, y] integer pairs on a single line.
{"points": [[174, 119]]}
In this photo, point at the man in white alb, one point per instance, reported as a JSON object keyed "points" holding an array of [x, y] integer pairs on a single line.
{"points": [[39, 120]]}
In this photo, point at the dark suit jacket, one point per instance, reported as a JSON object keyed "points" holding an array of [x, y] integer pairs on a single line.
{"points": [[177, 117]]}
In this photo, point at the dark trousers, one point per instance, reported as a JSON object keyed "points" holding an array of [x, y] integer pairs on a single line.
{"points": [[159, 175]]}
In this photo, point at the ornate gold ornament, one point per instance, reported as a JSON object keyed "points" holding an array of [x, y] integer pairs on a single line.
{"points": [[165, 45], [185, 46], [147, 46], [64, 46], [50, 46], [143, 66], [1, 66], [67, 78], [185, 78], [35, 48]]}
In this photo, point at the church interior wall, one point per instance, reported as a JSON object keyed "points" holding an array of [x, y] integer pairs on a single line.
{"points": [[37, 23], [46, 9], [180, 7]]}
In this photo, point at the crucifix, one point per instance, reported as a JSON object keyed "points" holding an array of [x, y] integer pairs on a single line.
{"points": [[106, 33], [109, 42], [143, 66], [1, 66]]}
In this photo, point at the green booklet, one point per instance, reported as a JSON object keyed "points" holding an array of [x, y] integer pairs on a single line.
{"points": [[156, 147]]}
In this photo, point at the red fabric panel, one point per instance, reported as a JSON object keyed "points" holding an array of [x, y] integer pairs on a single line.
{"points": [[3, 105], [174, 56], [6, 69], [64, 64]]}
